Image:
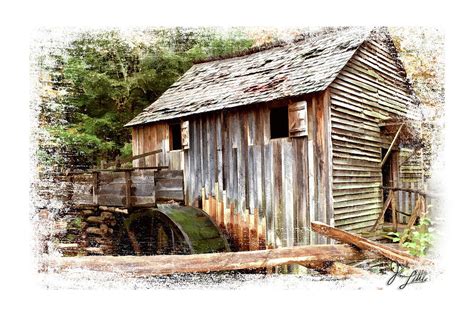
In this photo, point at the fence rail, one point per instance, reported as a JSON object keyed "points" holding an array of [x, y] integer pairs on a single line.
{"points": [[126, 187], [406, 197]]}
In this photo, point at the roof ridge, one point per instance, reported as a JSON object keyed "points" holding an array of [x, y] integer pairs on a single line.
{"points": [[275, 44], [302, 68]]}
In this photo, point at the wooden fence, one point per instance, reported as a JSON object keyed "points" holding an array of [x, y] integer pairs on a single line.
{"points": [[135, 187], [407, 196], [246, 230], [412, 204]]}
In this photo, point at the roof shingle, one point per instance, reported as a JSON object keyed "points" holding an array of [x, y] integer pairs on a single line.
{"points": [[294, 69]]}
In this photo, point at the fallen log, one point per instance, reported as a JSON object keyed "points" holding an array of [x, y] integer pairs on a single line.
{"points": [[388, 252], [170, 264]]}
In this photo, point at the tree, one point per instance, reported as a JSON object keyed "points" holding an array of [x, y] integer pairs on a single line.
{"points": [[108, 79]]}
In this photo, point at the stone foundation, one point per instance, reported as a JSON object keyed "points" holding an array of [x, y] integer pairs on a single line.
{"points": [[85, 232]]}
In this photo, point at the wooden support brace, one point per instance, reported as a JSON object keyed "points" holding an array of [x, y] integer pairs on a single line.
{"points": [[417, 212], [391, 145], [382, 213], [399, 256]]}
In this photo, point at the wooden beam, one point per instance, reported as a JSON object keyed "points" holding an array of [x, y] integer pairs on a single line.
{"points": [[118, 162], [382, 213], [170, 264], [71, 173], [323, 156], [391, 145], [417, 212], [432, 195], [365, 244], [128, 169]]}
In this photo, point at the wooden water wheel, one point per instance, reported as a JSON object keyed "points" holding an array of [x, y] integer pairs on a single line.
{"points": [[174, 229]]}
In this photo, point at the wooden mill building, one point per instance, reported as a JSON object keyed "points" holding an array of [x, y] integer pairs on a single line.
{"points": [[305, 131]]}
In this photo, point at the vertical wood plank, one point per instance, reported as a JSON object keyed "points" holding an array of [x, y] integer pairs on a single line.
{"points": [[251, 165], [287, 188], [212, 151], [276, 184], [269, 194], [232, 231], [241, 164], [311, 189], [95, 187], [251, 178], [128, 189], [134, 146], [225, 152], [244, 156], [219, 152], [256, 227], [324, 153]]}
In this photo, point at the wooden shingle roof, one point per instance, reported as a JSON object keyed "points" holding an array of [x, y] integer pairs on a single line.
{"points": [[294, 69]]}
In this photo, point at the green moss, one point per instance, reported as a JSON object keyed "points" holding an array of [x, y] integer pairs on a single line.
{"points": [[203, 234], [76, 223], [70, 238]]}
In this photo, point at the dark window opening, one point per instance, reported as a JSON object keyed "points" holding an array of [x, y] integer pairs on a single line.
{"points": [[387, 181], [175, 137], [279, 122]]}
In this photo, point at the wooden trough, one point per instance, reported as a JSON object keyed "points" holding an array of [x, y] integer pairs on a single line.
{"points": [[123, 187]]}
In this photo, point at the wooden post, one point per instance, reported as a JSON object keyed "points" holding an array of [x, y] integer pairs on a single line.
{"points": [[394, 214], [323, 153], [391, 145], [128, 189], [423, 206], [238, 230], [203, 200], [246, 229], [154, 186], [222, 223], [95, 188], [231, 228], [252, 233], [417, 212], [212, 206], [256, 226], [382, 213], [225, 213], [216, 204], [263, 241]]}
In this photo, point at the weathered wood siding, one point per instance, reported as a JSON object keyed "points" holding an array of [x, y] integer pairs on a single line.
{"points": [[333, 174], [411, 177], [276, 177], [371, 86], [110, 188], [150, 137]]}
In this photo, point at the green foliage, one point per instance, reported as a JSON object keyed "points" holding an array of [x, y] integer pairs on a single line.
{"points": [[108, 79], [126, 150], [418, 239]]}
